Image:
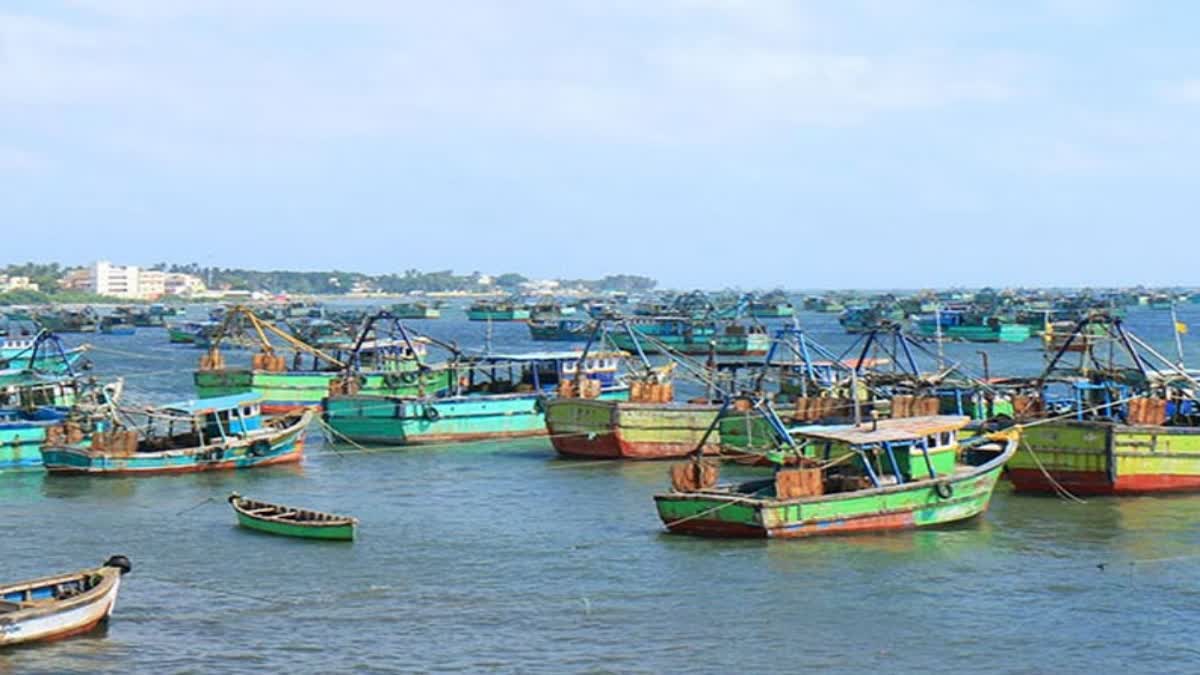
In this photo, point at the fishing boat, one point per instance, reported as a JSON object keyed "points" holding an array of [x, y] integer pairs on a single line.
{"points": [[43, 353], [191, 332], [661, 334], [882, 476], [562, 330], [69, 320], [31, 403], [1117, 418], [388, 360], [969, 326], [291, 522], [495, 396], [498, 311], [773, 305], [117, 324], [53, 608], [415, 310], [221, 433], [651, 424]]}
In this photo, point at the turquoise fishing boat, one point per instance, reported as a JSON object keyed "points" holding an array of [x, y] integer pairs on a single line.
{"points": [[562, 330], [496, 396], [498, 311], [683, 336], [222, 433], [43, 353]]}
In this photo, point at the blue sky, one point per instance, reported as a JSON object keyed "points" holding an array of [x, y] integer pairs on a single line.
{"points": [[884, 143]]}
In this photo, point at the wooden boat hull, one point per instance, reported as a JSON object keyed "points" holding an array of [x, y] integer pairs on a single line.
{"points": [[44, 620], [290, 392], [598, 429], [332, 533], [1100, 458], [282, 447], [318, 525], [899, 507], [398, 421]]}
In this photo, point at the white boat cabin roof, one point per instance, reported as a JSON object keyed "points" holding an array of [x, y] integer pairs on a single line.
{"points": [[886, 430]]}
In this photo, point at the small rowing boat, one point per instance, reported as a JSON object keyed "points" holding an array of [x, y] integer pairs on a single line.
{"points": [[291, 522], [53, 608]]}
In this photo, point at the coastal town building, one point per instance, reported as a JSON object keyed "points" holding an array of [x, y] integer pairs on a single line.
{"points": [[16, 283], [136, 283]]}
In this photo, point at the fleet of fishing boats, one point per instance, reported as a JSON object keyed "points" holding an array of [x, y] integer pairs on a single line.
{"points": [[884, 435]]}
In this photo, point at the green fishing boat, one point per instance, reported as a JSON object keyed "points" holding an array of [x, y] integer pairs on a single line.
{"points": [[685, 337], [386, 367], [292, 522], [498, 311], [882, 476]]}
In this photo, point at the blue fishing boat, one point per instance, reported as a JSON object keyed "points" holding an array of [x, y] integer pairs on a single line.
{"points": [[228, 432]]}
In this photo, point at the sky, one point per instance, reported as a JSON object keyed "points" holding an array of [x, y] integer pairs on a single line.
{"points": [[706, 143]]}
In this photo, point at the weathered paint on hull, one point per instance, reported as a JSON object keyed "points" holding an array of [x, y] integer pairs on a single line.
{"points": [[286, 447], [289, 392], [62, 624], [332, 533], [623, 430], [900, 507], [20, 447], [385, 421], [1098, 458]]}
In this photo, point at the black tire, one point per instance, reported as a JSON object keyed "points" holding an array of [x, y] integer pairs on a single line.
{"points": [[431, 413], [943, 489]]}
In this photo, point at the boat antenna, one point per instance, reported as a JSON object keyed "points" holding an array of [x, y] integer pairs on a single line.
{"points": [[1175, 328]]}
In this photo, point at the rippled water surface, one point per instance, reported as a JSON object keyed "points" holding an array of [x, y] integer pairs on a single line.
{"points": [[497, 556]]}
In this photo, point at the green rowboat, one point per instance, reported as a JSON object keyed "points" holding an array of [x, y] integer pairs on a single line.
{"points": [[291, 522]]}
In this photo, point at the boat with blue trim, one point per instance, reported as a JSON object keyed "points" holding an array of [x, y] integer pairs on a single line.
{"points": [[227, 432], [53, 608], [494, 396]]}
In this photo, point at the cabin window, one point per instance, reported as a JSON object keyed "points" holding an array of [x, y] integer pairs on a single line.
{"points": [[931, 441], [946, 438]]}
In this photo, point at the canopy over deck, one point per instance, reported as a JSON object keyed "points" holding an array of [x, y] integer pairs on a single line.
{"points": [[215, 404], [886, 431]]}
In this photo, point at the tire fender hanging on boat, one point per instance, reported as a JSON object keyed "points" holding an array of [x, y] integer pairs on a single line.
{"points": [[943, 489]]}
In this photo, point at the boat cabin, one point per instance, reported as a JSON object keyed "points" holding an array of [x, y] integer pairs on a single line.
{"points": [[890, 451], [535, 371]]}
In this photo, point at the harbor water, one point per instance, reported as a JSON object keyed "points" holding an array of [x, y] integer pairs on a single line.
{"points": [[498, 556]]}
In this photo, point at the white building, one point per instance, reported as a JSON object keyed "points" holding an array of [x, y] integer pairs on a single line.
{"points": [[183, 284], [14, 283], [130, 281]]}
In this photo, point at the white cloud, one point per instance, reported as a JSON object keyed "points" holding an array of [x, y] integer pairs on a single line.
{"points": [[267, 70]]}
